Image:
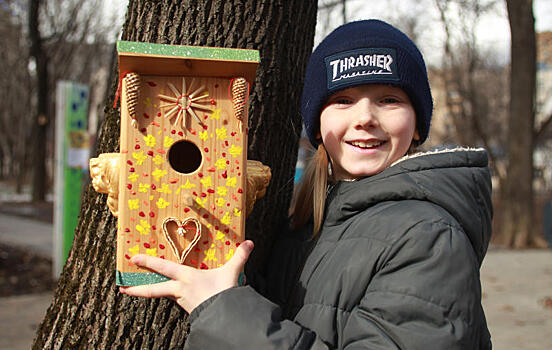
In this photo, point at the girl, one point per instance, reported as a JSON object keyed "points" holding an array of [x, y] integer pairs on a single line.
{"points": [[387, 244]]}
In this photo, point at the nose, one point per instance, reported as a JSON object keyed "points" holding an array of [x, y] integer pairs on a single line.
{"points": [[366, 114]]}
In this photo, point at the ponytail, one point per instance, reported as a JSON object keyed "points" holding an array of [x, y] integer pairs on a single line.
{"points": [[310, 197]]}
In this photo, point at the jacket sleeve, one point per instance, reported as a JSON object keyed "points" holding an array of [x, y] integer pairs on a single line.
{"points": [[426, 295], [240, 318]]}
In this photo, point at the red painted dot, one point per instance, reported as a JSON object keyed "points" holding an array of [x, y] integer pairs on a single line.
{"points": [[153, 187], [206, 149], [180, 133], [161, 246], [227, 204], [204, 267], [137, 147], [151, 214], [127, 256], [127, 229], [147, 245], [143, 130], [240, 190], [146, 116], [193, 132], [203, 194], [153, 227], [206, 216], [213, 102], [133, 193], [233, 133], [152, 84], [142, 214], [186, 210], [197, 250], [173, 132], [150, 153], [226, 142], [223, 154], [200, 174], [235, 236], [227, 230], [227, 162], [128, 242], [224, 174], [239, 174], [205, 116], [193, 261], [129, 162], [194, 193], [158, 114], [132, 170], [162, 257], [129, 186], [212, 169], [227, 242], [238, 244], [205, 242], [173, 181]]}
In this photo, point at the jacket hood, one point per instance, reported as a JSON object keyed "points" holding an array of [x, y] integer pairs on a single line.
{"points": [[458, 180]]}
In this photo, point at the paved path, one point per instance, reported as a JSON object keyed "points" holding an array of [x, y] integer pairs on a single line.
{"points": [[515, 286]]}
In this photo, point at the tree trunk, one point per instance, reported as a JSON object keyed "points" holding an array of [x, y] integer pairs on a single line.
{"points": [[40, 125], [87, 310], [518, 220]]}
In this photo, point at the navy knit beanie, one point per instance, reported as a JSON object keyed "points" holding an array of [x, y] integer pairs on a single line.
{"points": [[365, 52]]}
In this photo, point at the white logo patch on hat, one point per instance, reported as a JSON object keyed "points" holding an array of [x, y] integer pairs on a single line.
{"points": [[368, 64]]}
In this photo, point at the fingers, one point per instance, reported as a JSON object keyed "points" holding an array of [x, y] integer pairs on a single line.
{"points": [[164, 267], [240, 257], [158, 290]]}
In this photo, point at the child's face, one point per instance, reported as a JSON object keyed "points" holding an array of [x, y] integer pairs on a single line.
{"points": [[367, 128]]}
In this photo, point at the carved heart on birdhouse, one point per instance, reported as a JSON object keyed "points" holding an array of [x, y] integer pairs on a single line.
{"points": [[182, 235]]}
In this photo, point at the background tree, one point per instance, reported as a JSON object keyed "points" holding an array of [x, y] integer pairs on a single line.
{"points": [[87, 311], [518, 200]]}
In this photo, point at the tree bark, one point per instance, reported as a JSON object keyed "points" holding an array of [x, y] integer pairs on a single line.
{"points": [[518, 221], [87, 310]]}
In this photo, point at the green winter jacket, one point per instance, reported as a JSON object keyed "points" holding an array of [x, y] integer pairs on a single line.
{"points": [[395, 266]]}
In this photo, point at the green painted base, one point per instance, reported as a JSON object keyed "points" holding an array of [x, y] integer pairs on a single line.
{"points": [[139, 278]]}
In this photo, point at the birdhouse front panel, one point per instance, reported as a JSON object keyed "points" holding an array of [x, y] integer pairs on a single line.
{"points": [[183, 167]]}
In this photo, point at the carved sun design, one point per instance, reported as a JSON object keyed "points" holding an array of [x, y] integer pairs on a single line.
{"points": [[185, 102]]}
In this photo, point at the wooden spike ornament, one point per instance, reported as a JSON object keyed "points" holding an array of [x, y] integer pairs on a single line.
{"points": [[132, 81], [240, 91]]}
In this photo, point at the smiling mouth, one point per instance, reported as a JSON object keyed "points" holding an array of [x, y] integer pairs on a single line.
{"points": [[367, 145]]}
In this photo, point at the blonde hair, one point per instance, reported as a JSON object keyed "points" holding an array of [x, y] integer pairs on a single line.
{"points": [[310, 196]]}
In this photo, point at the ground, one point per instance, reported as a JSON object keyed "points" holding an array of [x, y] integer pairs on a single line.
{"points": [[22, 272]]}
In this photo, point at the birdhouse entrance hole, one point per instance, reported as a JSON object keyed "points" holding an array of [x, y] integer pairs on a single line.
{"points": [[185, 157]]}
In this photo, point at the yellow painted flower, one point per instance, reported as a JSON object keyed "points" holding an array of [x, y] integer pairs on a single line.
{"points": [[220, 164], [158, 160], [133, 204], [167, 142], [226, 219], [162, 204], [201, 202], [220, 236], [210, 255], [222, 191], [203, 135], [150, 140], [151, 252], [143, 227], [133, 177], [231, 181], [158, 173], [229, 255], [221, 133], [143, 187], [134, 250], [220, 202], [207, 182], [140, 157], [188, 185], [237, 212], [235, 150], [216, 114], [164, 189], [147, 102]]}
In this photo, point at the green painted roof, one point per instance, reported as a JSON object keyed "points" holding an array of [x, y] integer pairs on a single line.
{"points": [[200, 52]]}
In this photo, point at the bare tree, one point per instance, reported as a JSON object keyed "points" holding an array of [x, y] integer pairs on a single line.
{"points": [[518, 199], [87, 311]]}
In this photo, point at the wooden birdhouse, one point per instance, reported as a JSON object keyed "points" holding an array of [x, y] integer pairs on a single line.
{"points": [[181, 180]]}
